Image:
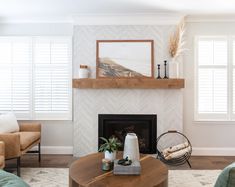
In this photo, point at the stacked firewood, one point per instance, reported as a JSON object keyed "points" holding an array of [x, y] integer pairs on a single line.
{"points": [[176, 151]]}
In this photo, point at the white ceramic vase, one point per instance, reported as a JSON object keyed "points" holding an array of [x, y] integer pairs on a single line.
{"points": [[83, 72], [110, 156], [173, 69], [131, 147]]}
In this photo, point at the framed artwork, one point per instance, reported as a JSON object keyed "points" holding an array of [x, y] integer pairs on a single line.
{"points": [[124, 59]]}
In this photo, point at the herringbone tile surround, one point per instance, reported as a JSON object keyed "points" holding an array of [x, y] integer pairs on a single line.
{"points": [[88, 103]]}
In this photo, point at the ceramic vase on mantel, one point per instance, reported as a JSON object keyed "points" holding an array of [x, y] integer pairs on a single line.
{"points": [[83, 72], [110, 156], [174, 69]]}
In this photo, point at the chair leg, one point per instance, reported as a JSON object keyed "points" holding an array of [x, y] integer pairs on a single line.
{"points": [[39, 152], [18, 166]]}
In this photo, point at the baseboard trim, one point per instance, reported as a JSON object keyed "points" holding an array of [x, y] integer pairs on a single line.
{"points": [[65, 150], [197, 151], [211, 151]]}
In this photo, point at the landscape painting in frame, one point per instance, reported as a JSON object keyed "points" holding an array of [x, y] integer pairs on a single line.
{"points": [[124, 59]]}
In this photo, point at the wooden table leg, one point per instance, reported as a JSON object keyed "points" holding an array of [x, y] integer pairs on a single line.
{"points": [[72, 183]]}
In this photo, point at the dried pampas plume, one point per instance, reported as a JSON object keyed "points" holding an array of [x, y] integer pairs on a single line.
{"points": [[177, 40]]}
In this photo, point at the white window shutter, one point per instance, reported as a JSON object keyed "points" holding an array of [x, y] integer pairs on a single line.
{"points": [[15, 76], [212, 79], [5, 89], [52, 77], [205, 90], [36, 77]]}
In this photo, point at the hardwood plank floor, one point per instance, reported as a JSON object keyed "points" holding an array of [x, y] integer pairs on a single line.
{"points": [[64, 161], [49, 161], [207, 162]]}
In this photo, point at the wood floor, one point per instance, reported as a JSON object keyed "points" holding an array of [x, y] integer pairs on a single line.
{"points": [[207, 162], [64, 161]]}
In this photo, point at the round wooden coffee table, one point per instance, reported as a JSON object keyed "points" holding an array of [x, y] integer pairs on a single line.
{"points": [[86, 172]]}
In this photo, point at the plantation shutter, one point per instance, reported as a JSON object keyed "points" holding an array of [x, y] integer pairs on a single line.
{"points": [[212, 78], [52, 78], [15, 76], [36, 77]]}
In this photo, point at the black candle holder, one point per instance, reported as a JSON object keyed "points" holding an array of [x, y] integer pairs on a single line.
{"points": [[158, 72], [165, 64]]}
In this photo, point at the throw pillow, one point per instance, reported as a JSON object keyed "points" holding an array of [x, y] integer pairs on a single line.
{"points": [[8, 123]]}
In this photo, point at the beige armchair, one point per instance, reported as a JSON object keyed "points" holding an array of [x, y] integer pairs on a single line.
{"points": [[2, 155], [19, 143]]}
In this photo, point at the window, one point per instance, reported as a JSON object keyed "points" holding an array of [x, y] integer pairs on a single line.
{"points": [[215, 78], [35, 77]]}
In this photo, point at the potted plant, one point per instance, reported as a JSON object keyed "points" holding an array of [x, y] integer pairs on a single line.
{"points": [[110, 147]]}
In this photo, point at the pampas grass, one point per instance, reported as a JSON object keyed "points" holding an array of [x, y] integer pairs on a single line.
{"points": [[177, 41]]}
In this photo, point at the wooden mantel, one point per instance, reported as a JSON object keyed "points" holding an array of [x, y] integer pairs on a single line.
{"points": [[128, 83]]}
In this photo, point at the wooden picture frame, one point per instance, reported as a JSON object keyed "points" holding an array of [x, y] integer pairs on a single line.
{"points": [[124, 59]]}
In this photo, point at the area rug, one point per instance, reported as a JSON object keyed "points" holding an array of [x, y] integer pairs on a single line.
{"points": [[46, 177], [58, 177], [192, 178]]}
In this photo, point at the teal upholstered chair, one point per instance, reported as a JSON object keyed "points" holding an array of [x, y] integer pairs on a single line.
{"points": [[11, 180], [8, 179], [227, 177]]}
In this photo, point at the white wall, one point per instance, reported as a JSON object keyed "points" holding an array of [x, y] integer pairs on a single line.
{"points": [[34, 29], [57, 136], [207, 138]]}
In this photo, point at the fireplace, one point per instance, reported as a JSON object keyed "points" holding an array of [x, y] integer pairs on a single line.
{"points": [[118, 125]]}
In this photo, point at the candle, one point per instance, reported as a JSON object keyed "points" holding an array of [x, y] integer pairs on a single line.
{"points": [[106, 164]]}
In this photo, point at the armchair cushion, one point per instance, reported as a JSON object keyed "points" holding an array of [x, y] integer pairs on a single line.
{"points": [[8, 123], [28, 138]]}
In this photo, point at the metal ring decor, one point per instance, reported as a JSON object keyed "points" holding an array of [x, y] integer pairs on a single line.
{"points": [[170, 141]]}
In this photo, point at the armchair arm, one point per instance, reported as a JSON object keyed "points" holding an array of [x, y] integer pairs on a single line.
{"points": [[2, 155], [2, 148], [12, 144], [30, 127]]}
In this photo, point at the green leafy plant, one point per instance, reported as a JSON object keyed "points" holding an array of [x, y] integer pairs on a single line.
{"points": [[112, 144]]}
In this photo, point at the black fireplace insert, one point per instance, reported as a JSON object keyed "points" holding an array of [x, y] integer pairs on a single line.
{"points": [[118, 125]]}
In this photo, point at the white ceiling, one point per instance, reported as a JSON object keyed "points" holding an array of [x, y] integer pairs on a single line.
{"points": [[64, 10]]}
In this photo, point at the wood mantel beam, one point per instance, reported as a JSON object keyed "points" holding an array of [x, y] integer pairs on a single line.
{"points": [[133, 83]]}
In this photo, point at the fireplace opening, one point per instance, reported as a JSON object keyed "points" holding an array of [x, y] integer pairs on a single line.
{"points": [[118, 125]]}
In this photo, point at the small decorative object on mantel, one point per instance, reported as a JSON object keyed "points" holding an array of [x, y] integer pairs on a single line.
{"points": [[176, 49], [110, 148], [158, 72], [165, 64], [83, 72], [174, 69]]}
